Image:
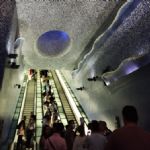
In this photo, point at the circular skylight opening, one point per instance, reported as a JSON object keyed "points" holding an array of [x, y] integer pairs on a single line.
{"points": [[53, 43]]}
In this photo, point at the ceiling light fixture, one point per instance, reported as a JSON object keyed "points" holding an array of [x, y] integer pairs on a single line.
{"points": [[93, 78], [80, 88]]}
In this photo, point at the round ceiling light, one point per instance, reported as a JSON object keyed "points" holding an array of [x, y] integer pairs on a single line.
{"points": [[53, 43]]}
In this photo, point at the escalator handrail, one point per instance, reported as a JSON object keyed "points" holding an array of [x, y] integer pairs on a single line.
{"points": [[12, 128], [75, 97], [60, 98]]}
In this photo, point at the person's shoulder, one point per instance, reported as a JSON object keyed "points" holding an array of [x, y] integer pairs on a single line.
{"points": [[127, 130], [97, 136], [118, 131]]}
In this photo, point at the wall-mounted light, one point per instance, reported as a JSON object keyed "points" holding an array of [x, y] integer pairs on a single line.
{"points": [[93, 78], [12, 61], [17, 85], [13, 65], [14, 56], [80, 88]]}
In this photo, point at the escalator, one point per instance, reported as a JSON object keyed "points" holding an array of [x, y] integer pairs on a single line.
{"points": [[29, 101], [28, 104], [68, 111]]}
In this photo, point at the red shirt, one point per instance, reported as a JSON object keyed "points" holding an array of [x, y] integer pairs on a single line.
{"points": [[129, 138], [58, 142]]}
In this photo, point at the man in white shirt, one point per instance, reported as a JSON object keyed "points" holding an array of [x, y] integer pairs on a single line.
{"points": [[95, 141]]}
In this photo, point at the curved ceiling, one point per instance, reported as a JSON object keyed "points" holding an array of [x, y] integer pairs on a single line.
{"points": [[80, 19], [96, 39], [127, 37]]}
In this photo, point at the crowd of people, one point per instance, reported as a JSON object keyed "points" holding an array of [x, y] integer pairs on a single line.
{"points": [[26, 129], [56, 136], [50, 108], [26, 132], [128, 137]]}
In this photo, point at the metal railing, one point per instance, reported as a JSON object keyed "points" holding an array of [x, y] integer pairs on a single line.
{"points": [[7, 143], [78, 105]]}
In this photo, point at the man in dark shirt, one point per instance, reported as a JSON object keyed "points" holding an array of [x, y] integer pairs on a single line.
{"points": [[70, 134], [129, 137]]}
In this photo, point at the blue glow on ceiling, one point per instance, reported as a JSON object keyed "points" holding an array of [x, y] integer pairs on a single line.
{"points": [[53, 43], [131, 68]]}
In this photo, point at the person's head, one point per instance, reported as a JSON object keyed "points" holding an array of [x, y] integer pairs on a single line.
{"points": [[71, 124], [46, 131], [89, 125], [31, 113], [94, 126], [47, 94], [129, 114], [47, 81], [80, 130], [82, 121], [67, 127], [24, 118], [58, 127], [102, 126]]}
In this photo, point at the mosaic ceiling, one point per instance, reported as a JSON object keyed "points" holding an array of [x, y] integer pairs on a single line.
{"points": [[101, 33], [79, 19]]}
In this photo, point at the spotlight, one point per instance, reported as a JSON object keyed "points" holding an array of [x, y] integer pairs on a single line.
{"points": [[13, 65], [14, 56], [12, 61], [93, 78], [105, 81], [80, 88], [17, 85]]}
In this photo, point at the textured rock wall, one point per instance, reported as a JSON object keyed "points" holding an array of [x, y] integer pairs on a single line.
{"points": [[6, 13]]}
